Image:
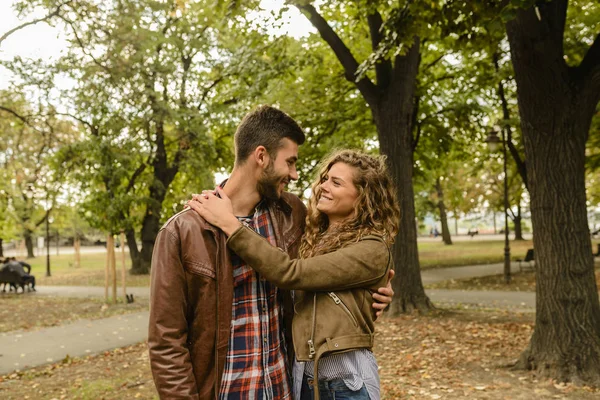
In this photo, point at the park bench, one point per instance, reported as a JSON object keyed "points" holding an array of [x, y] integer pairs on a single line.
{"points": [[12, 278], [528, 263]]}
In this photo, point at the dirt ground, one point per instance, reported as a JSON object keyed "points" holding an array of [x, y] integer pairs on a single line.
{"points": [[447, 355], [28, 311]]}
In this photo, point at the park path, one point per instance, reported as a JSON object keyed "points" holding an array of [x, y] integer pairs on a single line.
{"points": [[21, 350]]}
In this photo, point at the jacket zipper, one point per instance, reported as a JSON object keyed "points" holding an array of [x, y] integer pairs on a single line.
{"points": [[216, 389], [340, 303], [311, 343]]}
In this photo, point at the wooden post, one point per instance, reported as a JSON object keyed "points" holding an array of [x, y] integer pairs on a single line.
{"points": [[106, 269], [77, 246], [21, 247], [123, 270], [113, 267]]}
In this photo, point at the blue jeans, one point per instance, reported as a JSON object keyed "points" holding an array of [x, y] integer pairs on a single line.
{"points": [[332, 390]]}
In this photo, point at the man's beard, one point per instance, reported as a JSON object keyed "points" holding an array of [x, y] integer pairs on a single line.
{"points": [[268, 183]]}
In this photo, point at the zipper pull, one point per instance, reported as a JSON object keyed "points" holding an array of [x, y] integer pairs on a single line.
{"points": [[334, 297], [311, 348]]}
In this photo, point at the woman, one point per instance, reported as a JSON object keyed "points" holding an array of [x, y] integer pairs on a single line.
{"points": [[352, 220]]}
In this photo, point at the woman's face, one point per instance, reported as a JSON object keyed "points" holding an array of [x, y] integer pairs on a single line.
{"points": [[338, 193]]}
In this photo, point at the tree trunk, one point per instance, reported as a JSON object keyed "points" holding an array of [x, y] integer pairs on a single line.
{"points": [[163, 177], [27, 235], [555, 120], [443, 216], [1, 247], [494, 218], [393, 116], [518, 221]]}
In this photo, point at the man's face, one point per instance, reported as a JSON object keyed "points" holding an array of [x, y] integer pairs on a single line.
{"points": [[280, 171]]}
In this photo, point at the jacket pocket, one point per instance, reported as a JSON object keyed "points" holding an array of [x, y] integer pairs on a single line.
{"points": [[343, 306], [199, 268]]}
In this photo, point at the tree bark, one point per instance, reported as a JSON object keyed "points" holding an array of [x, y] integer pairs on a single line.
{"points": [[27, 235], [518, 221], [1, 247], [443, 216], [393, 118], [555, 120]]}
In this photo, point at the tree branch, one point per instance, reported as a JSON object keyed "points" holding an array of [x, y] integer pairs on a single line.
{"points": [[207, 91], [590, 65], [431, 64], [383, 67], [53, 14], [137, 173], [343, 54], [521, 167]]}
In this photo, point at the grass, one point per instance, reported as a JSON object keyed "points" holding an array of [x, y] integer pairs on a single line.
{"points": [[520, 282], [437, 254], [90, 273]]}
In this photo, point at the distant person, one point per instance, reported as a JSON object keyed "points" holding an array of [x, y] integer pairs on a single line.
{"points": [[18, 267]]}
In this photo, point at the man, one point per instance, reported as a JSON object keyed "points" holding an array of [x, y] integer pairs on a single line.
{"points": [[217, 329]]}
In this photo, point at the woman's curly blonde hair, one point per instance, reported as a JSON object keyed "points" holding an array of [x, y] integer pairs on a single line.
{"points": [[376, 210]]}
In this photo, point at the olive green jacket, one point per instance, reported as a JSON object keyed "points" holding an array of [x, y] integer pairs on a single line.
{"points": [[332, 302]]}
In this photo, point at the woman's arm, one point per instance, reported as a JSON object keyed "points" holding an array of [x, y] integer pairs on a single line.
{"points": [[360, 264]]}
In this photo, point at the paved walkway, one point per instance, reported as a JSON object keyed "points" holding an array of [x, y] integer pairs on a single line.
{"points": [[21, 350]]}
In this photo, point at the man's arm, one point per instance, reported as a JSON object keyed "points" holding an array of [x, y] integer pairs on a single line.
{"points": [[25, 265], [170, 359], [383, 296]]}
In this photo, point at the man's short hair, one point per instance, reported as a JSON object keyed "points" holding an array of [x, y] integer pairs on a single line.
{"points": [[265, 126]]}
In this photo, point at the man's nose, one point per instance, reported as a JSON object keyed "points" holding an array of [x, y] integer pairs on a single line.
{"points": [[293, 174]]}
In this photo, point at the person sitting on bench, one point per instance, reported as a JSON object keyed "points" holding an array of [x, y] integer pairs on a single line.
{"points": [[18, 267]]}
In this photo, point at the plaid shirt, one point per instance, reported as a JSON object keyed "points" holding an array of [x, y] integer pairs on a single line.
{"points": [[256, 366]]}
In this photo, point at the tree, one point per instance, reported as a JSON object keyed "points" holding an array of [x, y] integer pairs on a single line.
{"points": [[555, 121], [146, 75], [390, 98], [28, 145]]}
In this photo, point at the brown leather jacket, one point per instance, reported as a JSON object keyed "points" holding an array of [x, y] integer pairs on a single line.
{"points": [[191, 297]]}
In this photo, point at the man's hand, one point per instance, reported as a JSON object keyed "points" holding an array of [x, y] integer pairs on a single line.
{"points": [[383, 296]]}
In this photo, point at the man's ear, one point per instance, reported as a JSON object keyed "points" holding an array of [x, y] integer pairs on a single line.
{"points": [[261, 156]]}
